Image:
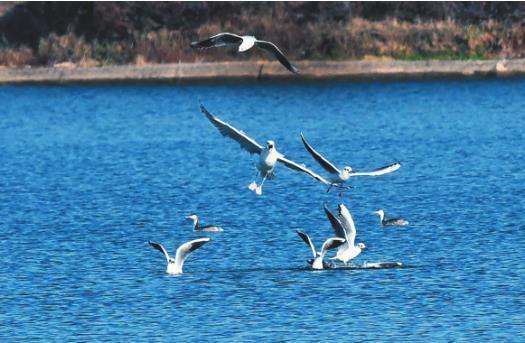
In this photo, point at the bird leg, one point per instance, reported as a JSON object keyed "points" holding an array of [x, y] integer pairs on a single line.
{"points": [[253, 186], [258, 190]]}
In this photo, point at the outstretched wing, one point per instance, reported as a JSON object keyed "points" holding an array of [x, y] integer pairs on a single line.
{"points": [[227, 130], [331, 243], [296, 166], [221, 39], [348, 224], [160, 248], [379, 171], [269, 46], [327, 165], [308, 241], [184, 250], [336, 224]]}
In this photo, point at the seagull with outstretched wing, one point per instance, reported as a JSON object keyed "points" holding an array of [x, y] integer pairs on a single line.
{"points": [[244, 43], [339, 177], [175, 264], [268, 156]]}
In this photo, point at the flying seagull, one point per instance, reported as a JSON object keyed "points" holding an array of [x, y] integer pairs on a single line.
{"points": [[198, 227], [339, 177], [391, 221], [244, 43], [344, 228], [318, 260], [175, 264], [268, 156]]}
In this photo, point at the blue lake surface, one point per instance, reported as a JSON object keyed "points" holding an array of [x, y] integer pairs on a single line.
{"points": [[89, 174]]}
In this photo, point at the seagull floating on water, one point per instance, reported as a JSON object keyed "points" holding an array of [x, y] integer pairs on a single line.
{"points": [[244, 43], [318, 261], [391, 221], [175, 264], [198, 227], [268, 156], [344, 228], [339, 177]]}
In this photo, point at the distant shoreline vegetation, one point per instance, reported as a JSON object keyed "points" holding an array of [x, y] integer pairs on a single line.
{"points": [[102, 34]]}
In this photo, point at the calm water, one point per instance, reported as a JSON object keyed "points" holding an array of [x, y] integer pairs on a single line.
{"points": [[89, 174]]}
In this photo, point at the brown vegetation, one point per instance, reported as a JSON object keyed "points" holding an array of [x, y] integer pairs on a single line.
{"points": [[93, 33]]}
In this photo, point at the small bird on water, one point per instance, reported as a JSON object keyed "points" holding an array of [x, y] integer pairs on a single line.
{"points": [[392, 221], [198, 227], [175, 264]]}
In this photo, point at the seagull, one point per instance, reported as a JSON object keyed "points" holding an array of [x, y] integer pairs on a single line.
{"points": [[175, 264], [244, 43], [344, 228], [391, 221], [197, 227], [318, 261], [339, 177], [268, 156]]}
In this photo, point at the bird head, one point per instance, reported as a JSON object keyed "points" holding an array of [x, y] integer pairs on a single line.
{"points": [[171, 260], [348, 169], [361, 246], [379, 212], [193, 217], [270, 145]]}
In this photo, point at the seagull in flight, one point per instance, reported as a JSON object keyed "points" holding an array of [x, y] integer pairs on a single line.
{"points": [[175, 264], [268, 156], [339, 177], [391, 221], [344, 227], [318, 260], [244, 43]]}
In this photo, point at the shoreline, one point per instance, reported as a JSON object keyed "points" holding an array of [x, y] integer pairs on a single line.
{"points": [[261, 70]]}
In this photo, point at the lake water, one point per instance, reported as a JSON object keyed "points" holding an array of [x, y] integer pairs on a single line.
{"points": [[89, 174]]}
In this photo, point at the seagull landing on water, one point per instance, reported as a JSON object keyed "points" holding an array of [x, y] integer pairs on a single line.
{"points": [[175, 264], [339, 177], [268, 156], [198, 227], [244, 43], [391, 221], [344, 227], [318, 260]]}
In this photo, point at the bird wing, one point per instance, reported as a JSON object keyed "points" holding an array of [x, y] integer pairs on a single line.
{"points": [[349, 227], [185, 249], [269, 46], [331, 243], [336, 224], [221, 39], [296, 166], [327, 165], [308, 241], [227, 130], [379, 171], [160, 248]]}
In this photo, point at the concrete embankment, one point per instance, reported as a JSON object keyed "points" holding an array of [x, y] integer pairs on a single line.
{"points": [[256, 70]]}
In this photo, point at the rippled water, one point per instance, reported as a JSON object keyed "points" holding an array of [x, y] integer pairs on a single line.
{"points": [[89, 174]]}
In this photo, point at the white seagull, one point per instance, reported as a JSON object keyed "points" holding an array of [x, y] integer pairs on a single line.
{"points": [[198, 227], [318, 260], [175, 264], [344, 228], [244, 43], [268, 157], [391, 221], [339, 177]]}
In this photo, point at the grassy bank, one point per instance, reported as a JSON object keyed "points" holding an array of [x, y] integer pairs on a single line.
{"points": [[102, 34]]}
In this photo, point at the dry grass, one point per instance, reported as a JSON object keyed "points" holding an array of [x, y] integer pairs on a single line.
{"points": [[353, 39]]}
